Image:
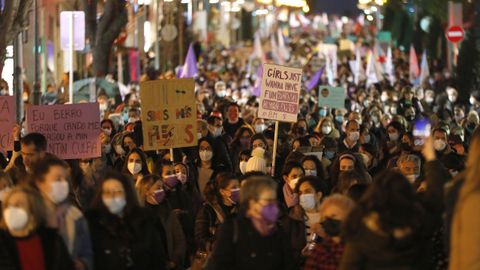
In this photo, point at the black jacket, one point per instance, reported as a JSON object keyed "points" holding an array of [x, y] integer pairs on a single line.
{"points": [[367, 249], [125, 243], [55, 252], [240, 247]]}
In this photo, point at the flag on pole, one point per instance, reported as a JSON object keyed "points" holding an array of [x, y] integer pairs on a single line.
{"points": [[414, 71], [389, 68], [315, 79], [282, 49], [329, 70], [257, 48], [424, 70], [189, 69], [371, 69], [257, 88], [274, 50]]}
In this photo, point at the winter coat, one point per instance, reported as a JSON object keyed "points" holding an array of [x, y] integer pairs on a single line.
{"points": [[55, 252], [208, 220], [372, 249], [239, 246], [125, 243], [74, 230], [294, 226], [165, 219], [465, 230]]}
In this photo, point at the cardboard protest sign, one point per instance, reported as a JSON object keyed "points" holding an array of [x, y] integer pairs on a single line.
{"points": [[72, 131], [280, 93], [332, 97], [7, 122], [169, 114]]}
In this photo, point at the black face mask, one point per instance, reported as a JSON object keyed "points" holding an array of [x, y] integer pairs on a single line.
{"points": [[301, 130], [332, 226], [405, 147]]}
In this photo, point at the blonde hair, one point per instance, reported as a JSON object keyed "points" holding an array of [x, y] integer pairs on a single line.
{"points": [[143, 185], [36, 206], [318, 128], [472, 170], [341, 201]]}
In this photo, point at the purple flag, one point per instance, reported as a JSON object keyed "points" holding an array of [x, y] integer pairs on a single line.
{"points": [[257, 88], [315, 79], [189, 69]]}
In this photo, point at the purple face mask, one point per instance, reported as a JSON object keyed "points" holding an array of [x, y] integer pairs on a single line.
{"points": [[182, 178], [171, 180], [159, 195], [270, 212], [235, 195]]}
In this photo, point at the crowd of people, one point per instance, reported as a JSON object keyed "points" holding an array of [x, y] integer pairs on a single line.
{"points": [[351, 188]]}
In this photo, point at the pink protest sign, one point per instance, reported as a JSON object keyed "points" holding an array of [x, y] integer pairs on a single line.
{"points": [[280, 93], [72, 131], [7, 122]]}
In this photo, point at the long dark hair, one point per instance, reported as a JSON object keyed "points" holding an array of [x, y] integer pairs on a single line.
{"points": [[130, 193], [143, 157], [212, 189], [393, 198], [238, 135]]}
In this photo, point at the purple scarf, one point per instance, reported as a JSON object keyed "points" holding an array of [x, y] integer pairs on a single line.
{"points": [[291, 199]]}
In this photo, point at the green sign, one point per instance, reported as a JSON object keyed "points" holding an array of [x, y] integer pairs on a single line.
{"points": [[332, 97]]}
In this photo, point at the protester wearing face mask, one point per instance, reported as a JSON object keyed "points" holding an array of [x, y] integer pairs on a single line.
{"points": [[303, 220], [256, 223], [352, 135], [299, 128], [123, 236], [207, 164], [222, 196], [348, 162], [243, 158], [391, 148], [128, 143], [327, 128], [135, 165], [108, 127], [314, 167], [219, 141], [410, 167], [51, 178], [259, 125], [240, 142], [27, 243], [328, 253], [291, 174], [369, 155], [152, 196]]}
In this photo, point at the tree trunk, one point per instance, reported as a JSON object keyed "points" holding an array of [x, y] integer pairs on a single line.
{"points": [[13, 20], [114, 18]]}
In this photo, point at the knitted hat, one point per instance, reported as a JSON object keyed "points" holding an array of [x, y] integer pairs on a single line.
{"points": [[257, 162]]}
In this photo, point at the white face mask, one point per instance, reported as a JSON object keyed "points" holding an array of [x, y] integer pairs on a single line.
{"points": [[452, 98], [367, 138], [217, 132], [58, 191], [354, 136], [115, 205], [412, 178], [293, 183], [393, 136], [107, 131], [16, 218], [260, 128], [182, 177], [134, 168], [103, 107], [206, 155], [439, 145], [307, 201], [472, 100], [4, 192], [243, 167], [199, 135], [310, 172], [429, 99], [107, 148], [326, 130], [133, 120]]}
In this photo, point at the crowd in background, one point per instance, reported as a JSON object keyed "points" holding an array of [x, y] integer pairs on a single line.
{"points": [[351, 188]]}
